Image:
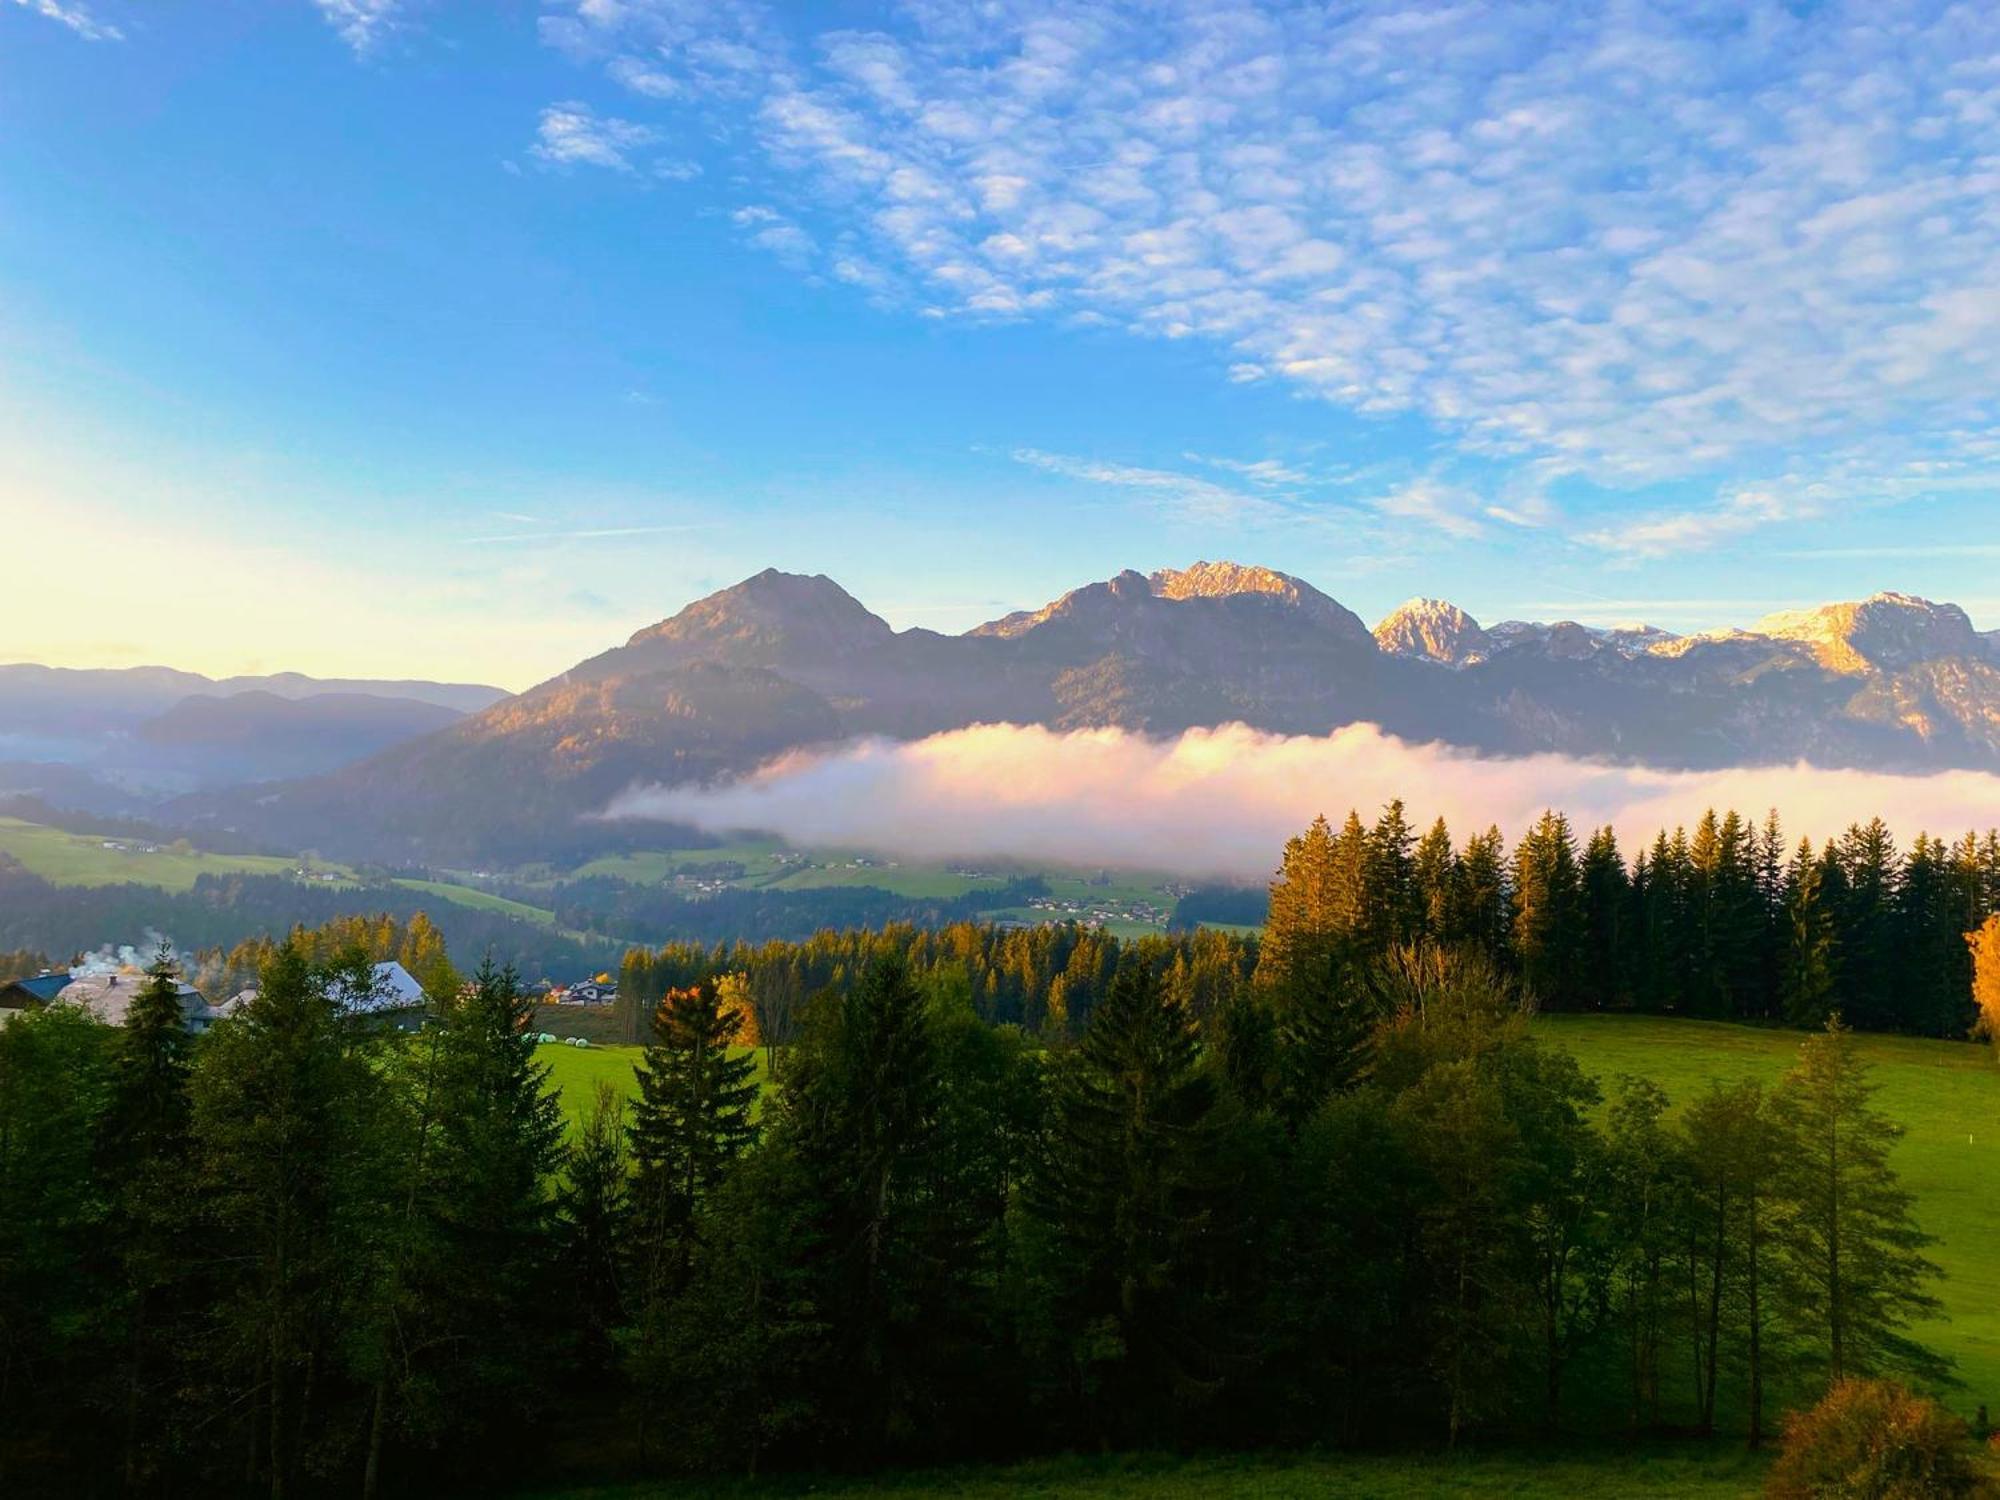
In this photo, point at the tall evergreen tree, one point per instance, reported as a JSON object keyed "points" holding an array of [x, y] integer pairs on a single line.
{"points": [[1809, 974], [1867, 914], [1129, 1191], [147, 1159], [1606, 906], [285, 1098], [694, 1116], [1849, 1248], [1547, 899]]}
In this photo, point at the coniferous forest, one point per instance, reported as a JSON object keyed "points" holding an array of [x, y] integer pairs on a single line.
{"points": [[907, 1196]]}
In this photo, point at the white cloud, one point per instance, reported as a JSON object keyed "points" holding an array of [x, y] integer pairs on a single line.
{"points": [[1182, 497], [574, 135], [1264, 471], [362, 24], [77, 18], [1631, 240], [1221, 802]]}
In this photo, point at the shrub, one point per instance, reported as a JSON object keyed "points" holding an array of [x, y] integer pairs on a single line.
{"points": [[1874, 1440]]}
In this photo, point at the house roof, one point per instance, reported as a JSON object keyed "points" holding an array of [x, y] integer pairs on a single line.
{"points": [[37, 989], [109, 997], [391, 988]]}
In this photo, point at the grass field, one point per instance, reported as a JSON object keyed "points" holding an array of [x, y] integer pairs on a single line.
{"points": [[91, 859], [1945, 1094], [465, 895], [575, 1072], [1692, 1471]]}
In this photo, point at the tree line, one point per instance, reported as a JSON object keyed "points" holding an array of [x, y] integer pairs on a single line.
{"points": [[1726, 922], [1353, 1201], [1723, 923]]}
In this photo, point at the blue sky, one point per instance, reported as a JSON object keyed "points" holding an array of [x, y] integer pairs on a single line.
{"points": [[462, 339]]}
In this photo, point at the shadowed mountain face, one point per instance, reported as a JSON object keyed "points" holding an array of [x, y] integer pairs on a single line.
{"points": [[782, 661], [258, 735]]}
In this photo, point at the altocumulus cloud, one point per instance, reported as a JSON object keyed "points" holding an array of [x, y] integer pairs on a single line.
{"points": [[1631, 241], [1221, 802]]}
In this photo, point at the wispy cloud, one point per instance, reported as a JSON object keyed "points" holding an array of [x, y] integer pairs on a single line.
{"points": [[362, 24], [1458, 511], [77, 18], [584, 534], [1630, 241], [1264, 471], [572, 135], [1183, 497]]}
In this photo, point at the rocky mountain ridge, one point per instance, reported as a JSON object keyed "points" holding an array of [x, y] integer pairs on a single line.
{"points": [[784, 661]]}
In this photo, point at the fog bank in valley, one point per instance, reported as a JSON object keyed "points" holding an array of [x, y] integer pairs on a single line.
{"points": [[1221, 802]]}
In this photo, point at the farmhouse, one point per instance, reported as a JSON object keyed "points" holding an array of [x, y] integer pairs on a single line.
{"points": [[393, 998], [19, 995], [109, 997]]}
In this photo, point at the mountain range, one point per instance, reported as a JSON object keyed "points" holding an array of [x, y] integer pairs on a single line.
{"points": [[116, 740], [780, 661]]}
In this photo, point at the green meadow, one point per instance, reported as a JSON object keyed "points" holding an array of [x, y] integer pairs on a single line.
{"points": [[93, 859], [1692, 1471], [1945, 1094]]}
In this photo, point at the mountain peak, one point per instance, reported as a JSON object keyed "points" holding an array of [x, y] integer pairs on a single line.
{"points": [[1884, 631], [1220, 580], [768, 616], [1436, 630]]}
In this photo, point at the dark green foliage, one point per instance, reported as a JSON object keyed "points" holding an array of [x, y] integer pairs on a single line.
{"points": [[1005, 1191], [1129, 1190], [1849, 1248]]}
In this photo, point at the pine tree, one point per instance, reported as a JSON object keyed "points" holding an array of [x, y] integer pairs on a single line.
{"points": [[474, 1258], [1481, 900], [1866, 913], [1434, 875], [1547, 900], [1850, 1251], [284, 1102], [1128, 1189], [147, 1159], [1607, 894], [694, 1116], [591, 1206], [1388, 883], [1809, 973]]}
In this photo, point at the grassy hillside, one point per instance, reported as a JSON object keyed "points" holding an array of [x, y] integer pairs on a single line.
{"points": [[92, 859], [465, 895], [1684, 1472], [1947, 1096]]}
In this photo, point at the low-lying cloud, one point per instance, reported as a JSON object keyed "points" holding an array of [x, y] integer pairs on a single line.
{"points": [[1219, 803]]}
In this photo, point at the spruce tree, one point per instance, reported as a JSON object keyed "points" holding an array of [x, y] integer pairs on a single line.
{"points": [[694, 1116], [147, 1159], [591, 1207], [1547, 900], [291, 1198], [1128, 1190], [1849, 1249], [1809, 972]]}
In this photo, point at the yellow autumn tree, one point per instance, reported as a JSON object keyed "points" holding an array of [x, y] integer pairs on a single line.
{"points": [[1985, 945]]}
